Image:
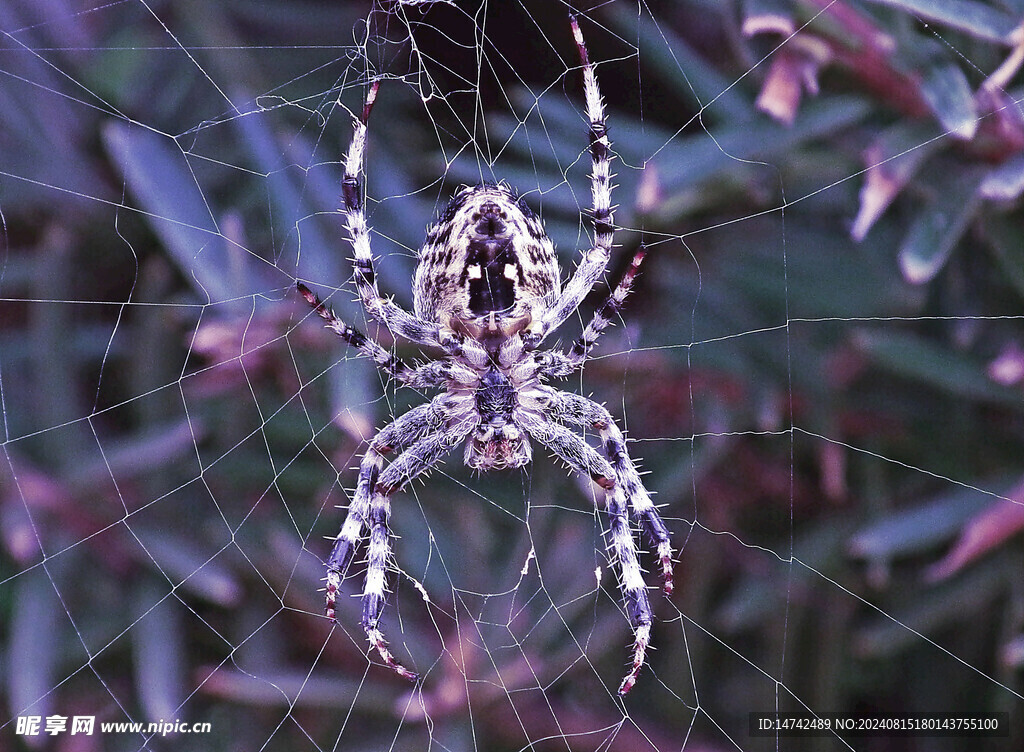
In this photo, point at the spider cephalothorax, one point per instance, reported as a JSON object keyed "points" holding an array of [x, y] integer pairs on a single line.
{"points": [[497, 442], [487, 292]]}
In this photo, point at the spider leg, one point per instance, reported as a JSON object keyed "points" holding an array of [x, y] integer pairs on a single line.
{"points": [[441, 425], [581, 411], [555, 363], [374, 590], [583, 458], [432, 374], [384, 310], [594, 261], [395, 437]]}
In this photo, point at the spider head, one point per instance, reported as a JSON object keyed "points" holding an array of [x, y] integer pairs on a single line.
{"points": [[497, 445], [497, 442], [488, 267]]}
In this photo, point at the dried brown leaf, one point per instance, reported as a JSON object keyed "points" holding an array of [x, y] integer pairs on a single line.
{"points": [[986, 532]]}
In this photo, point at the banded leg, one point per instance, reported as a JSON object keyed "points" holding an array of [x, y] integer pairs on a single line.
{"points": [[384, 310], [634, 589], [394, 437], [432, 374], [420, 455], [375, 588], [557, 364], [595, 260], [581, 411], [579, 455]]}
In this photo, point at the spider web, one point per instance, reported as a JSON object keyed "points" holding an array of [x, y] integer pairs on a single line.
{"points": [[820, 368]]}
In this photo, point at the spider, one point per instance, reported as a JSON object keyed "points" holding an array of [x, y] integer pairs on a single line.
{"points": [[487, 292]]}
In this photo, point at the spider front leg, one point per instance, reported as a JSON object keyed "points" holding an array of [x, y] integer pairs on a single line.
{"points": [[430, 433], [557, 364], [395, 437], [432, 374], [580, 456], [581, 411]]}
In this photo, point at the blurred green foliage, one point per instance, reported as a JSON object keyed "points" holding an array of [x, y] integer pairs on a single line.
{"points": [[822, 368]]}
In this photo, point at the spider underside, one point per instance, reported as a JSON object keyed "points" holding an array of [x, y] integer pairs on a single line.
{"points": [[487, 292]]}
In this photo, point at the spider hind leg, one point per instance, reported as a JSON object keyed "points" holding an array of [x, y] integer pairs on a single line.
{"points": [[595, 260], [581, 411]]}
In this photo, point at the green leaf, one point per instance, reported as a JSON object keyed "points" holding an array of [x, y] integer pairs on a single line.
{"points": [[680, 67], [290, 193], [34, 634], [936, 609], [1006, 238], [760, 16], [977, 19], [946, 370], [688, 162], [817, 551], [1005, 182], [1013, 652], [939, 225], [948, 93], [893, 158], [158, 445], [158, 648], [157, 172], [189, 564], [921, 528]]}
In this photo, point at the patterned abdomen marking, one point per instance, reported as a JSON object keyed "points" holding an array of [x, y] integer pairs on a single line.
{"points": [[487, 259]]}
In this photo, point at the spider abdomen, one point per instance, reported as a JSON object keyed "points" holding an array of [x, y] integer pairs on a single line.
{"points": [[487, 268], [491, 275]]}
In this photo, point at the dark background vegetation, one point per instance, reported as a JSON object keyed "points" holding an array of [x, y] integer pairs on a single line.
{"points": [[821, 367]]}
